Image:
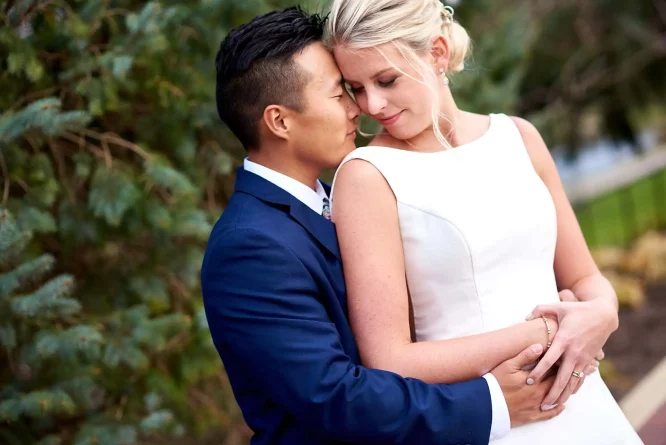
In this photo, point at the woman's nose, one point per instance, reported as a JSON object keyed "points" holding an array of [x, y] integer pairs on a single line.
{"points": [[376, 103]]}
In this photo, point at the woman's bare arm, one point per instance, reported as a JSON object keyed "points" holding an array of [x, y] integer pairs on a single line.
{"points": [[587, 324], [365, 213]]}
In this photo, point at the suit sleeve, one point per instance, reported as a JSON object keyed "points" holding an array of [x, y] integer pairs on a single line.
{"points": [[264, 308]]}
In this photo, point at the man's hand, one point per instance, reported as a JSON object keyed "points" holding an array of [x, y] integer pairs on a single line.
{"points": [[524, 401]]}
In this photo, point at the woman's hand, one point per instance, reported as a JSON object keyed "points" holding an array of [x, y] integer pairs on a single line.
{"points": [[584, 327], [567, 295]]}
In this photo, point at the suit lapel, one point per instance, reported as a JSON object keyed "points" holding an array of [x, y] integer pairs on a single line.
{"points": [[319, 227]]}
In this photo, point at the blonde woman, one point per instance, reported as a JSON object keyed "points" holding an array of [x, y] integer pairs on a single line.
{"points": [[459, 222]]}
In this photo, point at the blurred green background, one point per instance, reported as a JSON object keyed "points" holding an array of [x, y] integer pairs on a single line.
{"points": [[114, 166]]}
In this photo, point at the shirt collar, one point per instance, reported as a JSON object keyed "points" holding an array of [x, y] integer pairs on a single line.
{"points": [[300, 191]]}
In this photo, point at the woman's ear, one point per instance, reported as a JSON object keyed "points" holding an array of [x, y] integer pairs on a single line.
{"points": [[440, 53]]}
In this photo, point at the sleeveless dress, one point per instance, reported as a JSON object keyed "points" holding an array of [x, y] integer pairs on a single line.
{"points": [[478, 229]]}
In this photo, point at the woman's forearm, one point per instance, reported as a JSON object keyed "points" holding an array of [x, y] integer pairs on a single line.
{"points": [[465, 358], [596, 287]]}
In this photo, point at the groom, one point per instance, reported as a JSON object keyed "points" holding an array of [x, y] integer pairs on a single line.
{"points": [[272, 277]]}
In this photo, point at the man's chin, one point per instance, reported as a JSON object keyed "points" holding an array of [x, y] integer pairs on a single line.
{"points": [[348, 148]]}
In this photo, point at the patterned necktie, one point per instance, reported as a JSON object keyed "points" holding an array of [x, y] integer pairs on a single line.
{"points": [[326, 211]]}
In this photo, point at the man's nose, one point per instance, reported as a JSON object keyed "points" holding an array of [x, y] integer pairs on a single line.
{"points": [[353, 111]]}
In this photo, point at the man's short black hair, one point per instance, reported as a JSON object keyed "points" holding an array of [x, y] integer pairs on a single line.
{"points": [[255, 68]]}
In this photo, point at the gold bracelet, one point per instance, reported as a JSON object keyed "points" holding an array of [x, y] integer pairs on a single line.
{"points": [[550, 340]]}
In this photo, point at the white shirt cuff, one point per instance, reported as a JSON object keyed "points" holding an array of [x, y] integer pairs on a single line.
{"points": [[501, 422]]}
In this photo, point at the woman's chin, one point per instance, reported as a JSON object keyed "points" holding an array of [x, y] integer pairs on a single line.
{"points": [[401, 133], [405, 132]]}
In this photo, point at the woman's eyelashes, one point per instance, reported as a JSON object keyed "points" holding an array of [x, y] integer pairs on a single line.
{"points": [[386, 84]]}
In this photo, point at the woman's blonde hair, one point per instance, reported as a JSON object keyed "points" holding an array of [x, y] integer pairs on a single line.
{"points": [[410, 25]]}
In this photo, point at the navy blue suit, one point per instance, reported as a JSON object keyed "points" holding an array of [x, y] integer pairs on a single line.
{"points": [[275, 300]]}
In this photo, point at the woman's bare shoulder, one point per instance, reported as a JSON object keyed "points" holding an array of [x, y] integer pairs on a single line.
{"points": [[385, 140]]}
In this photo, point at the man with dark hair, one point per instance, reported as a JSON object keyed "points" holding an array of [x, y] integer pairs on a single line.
{"points": [[255, 69], [272, 278]]}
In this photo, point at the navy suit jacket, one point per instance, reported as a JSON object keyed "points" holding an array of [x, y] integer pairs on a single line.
{"points": [[275, 301]]}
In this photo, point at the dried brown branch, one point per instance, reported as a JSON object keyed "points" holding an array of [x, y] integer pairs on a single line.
{"points": [[82, 143], [5, 174], [60, 166], [114, 139], [660, 6], [35, 95]]}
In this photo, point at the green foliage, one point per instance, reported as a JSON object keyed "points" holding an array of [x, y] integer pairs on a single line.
{"points": [[115, 165], [62, 366], [577, 70]]}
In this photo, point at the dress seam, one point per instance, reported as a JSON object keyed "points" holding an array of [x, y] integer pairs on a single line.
{"points": [[471, 258]]}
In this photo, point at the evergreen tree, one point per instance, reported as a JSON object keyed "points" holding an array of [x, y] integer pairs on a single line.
{"points": [[115, 166], [113, 160]]}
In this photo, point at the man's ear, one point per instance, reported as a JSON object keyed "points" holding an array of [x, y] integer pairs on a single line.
{"points": [[278, 120]]}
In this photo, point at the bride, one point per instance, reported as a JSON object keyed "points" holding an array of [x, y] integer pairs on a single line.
{"points": [[456, 225]]}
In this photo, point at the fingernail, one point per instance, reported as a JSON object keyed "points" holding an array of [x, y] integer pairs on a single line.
{"points": [[528, 316], [537, 349], [548, 407], [596, 363], [530, 381]]}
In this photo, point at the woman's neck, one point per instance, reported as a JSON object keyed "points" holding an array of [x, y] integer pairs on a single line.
{"points": [[450, 124]]}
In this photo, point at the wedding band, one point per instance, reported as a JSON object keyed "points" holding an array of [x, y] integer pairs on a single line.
{"points": [[578, 375]]}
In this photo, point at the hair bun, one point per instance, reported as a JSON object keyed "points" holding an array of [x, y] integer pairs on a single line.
{"points": [[459, 45]]}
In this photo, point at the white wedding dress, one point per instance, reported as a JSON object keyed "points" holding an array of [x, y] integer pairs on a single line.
{"points": [[478, 228]]}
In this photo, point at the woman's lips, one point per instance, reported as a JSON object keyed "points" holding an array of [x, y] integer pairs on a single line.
{"points": [[391, 120]]}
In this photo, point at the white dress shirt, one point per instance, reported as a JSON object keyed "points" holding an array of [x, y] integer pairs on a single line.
{"points": [[311, 198], [501, 423]]}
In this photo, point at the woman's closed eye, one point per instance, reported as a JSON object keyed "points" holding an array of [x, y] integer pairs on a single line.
{"points": [[387, 84]]}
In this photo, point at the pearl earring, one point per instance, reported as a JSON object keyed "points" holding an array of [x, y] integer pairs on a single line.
{"points": [[445, 80]]}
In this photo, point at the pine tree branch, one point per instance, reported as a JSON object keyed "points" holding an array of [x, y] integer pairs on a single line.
{"points": [[116, 140], [211, 191], [179, 340], [116, 11], [661, 9], [20, 182], [107, 154], [83, 143], [5, 174], [32, 144], [207, 401], [8, 6], [34, 95], [108, 15], [121, 407], [42, 7], [60, 164]]}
